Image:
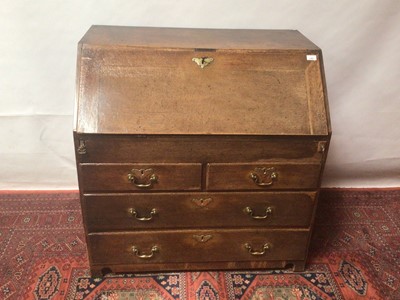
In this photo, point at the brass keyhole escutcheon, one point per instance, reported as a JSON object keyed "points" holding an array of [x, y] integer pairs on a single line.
{"points": [[203, 61], [202, 238], [202, 202]]}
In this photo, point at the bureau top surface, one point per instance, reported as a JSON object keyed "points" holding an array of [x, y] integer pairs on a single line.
{"points": [[250, 39], [133, 80]]}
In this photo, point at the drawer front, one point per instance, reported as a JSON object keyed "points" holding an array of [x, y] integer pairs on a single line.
{"points": [[197, 246], [262, 176], [196, 210], [139, 177], [171, 149]]}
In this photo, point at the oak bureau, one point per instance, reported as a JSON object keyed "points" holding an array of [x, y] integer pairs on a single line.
{"points": [[199, 149]]}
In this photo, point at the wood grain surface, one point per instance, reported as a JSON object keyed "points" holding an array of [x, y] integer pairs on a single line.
{"points": [[171, 127]]}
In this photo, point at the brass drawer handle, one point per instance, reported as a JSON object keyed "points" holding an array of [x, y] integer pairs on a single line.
{"points": [[264, 176], [135, 214], [135, 250], [142, 178], [265, 247], [249, 211], [202, 61]]}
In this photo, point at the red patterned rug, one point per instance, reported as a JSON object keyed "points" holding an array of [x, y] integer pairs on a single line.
{"points": [[355, 254]]}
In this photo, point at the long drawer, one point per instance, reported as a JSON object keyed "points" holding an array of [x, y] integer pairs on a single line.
{"points": [[197, 210], [138, 177], [188, 149], [197, 246]]}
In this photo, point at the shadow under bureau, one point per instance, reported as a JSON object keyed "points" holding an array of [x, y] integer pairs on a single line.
{"points": [[199, 149]]}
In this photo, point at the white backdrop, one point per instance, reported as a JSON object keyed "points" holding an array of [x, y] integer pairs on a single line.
{"points": [[38, 41]]}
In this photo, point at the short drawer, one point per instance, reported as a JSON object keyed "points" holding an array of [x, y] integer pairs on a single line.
{"points": [[197, 210], [262, 176], [139, 177], [197, 246]]}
